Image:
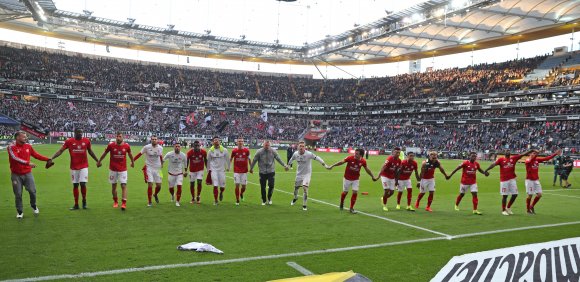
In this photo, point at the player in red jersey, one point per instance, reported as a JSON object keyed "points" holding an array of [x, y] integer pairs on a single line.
{"points": [[118, 168], [197, 160], [533, 185], [468, 180], [389, 175], [19, 155], [428, 179], [351, 176], [507, 175], [241, 158], [408, 165], [79, 165]]}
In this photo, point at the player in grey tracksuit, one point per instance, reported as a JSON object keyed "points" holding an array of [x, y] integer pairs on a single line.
{"points": [[265, 158]]}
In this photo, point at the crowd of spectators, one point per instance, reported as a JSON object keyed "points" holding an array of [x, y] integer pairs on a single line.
{"points": [[110, 78], [462, 138], [62, 116]]}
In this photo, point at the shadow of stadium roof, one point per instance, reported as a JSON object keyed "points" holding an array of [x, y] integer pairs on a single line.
{"points": [[496, 24]]}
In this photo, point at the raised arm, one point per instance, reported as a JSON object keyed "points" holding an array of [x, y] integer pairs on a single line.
{"points": [[417, 174], [544, 159], [131, 157], [454, 171], [492, 165], [92, 154], [337, 164], [443, 171], [38, 156], [370, 173], [254, 161], [59, 152], [279, 160], [103, 156]]}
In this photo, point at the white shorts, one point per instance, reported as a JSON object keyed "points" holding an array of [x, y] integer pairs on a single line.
{"points": [[81, 175], [117, 176], [348, 184], [471, 187], [196, 175], [302, 180], [175, 180], [427, 185], [218, 178], [241, 178], [404, 184], [509, 187], [533, 187], [388, 183], [153, 175]]}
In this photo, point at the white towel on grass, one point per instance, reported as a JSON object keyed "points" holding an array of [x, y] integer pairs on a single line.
{"points": [[199, 247]]}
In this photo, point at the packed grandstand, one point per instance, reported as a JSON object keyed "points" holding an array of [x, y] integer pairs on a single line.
{"points": [[482, 107]]}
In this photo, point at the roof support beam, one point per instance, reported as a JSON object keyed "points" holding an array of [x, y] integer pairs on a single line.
{"points": [[490, 11], [384, 44], [469, 27], [430, 38]]}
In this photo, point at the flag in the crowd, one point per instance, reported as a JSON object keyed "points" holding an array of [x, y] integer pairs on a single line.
{"points": [[280, 130], [271, 130], [191, 119], [181, 126], [71, 106], [164, 110], [207, 118], [91, 122], [264, 116]]}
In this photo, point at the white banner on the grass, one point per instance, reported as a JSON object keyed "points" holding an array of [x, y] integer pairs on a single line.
{"points": [[550, 261]]}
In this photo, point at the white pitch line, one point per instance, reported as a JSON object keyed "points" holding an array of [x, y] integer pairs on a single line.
{"points": [[565, 196], [514, 229], [297, 254], [367, 214], [218, 262], [300, 268]]}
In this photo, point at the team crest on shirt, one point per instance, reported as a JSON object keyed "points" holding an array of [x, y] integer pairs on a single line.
{"points": [[27, 151], [79, 147]]}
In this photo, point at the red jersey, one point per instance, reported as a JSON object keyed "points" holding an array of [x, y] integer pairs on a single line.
{"points": [[392, 164], [430, 167], [118, 159], [353, 166], [468, 177], [241, 157], [196, 160], [533, 164], [78, 152], [407, 168], [507, 167], [19, 158]]}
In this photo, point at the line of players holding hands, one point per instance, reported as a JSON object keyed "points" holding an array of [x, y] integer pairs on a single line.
{"points": [[394, 174]]}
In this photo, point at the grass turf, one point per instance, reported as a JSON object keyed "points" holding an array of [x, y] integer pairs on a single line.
{"points": [[101, 238]]}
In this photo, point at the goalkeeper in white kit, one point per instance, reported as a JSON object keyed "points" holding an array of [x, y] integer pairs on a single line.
{"points": [[303, 171]]}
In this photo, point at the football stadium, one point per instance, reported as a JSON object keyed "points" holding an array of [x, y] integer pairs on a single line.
{"points": [[289, 140]]}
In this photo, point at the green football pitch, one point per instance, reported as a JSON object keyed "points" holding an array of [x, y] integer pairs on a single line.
{"points": [[102, 243]]}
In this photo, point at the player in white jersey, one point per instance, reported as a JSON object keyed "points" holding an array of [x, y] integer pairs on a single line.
{"points": [[176, 168], [303, 171], [218, 162], [152, 170]]}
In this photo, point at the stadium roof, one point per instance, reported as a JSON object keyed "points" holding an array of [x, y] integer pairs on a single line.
{"points": [[431, 28]]}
